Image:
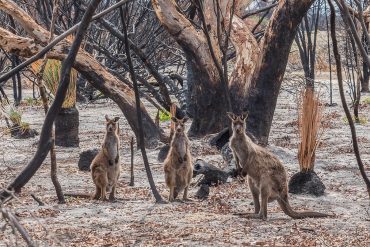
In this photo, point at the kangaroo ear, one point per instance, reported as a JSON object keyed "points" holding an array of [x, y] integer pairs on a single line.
{"points": [[174, 119], [116, 119], [231, 115], [107, 118], [185, 119], [244, 115]]}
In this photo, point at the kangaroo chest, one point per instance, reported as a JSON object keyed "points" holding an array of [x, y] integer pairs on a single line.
{"points": [[180, 145], [111, 145], [239, 148]]}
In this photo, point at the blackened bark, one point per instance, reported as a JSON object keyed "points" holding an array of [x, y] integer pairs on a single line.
{"points": [[66, 127], [365, 80], [206, 102]]}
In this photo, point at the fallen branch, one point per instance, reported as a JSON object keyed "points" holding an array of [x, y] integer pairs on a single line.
{"points": [[37, 200], [132, 178], [13, 221]]}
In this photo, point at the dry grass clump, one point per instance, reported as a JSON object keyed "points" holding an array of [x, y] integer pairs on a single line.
{"points": [[51, 78], [309, 127]]}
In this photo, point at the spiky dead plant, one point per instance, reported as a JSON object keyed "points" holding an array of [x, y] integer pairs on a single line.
{"points": [[51, 78], [310, 129]]}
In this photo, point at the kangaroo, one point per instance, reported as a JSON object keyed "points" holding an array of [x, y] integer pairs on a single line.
{"points": [[105, 168], [178, 167], [266, 174]]}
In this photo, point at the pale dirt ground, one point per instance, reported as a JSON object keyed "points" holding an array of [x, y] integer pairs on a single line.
{"points": [[137, 221]]}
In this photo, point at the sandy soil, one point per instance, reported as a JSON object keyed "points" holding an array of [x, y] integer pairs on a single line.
{"points": [[135, 220]]}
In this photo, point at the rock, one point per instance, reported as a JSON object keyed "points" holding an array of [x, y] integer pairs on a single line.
{"points": [[163, 151], [203, 192], [86, 157], [306, 183]]}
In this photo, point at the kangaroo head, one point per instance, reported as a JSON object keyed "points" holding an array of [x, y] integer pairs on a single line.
{"points": [[179, 124], [111, 124], [238, 122]]}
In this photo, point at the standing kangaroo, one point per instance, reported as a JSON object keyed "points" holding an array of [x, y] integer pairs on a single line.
{"points": [[178, 167], [266, 174], [105, 168]]}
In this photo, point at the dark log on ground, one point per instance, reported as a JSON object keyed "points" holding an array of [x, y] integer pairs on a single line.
{"points": [[212, 174], [66, 128], [86, 157], [203, 192], [306, 183]]}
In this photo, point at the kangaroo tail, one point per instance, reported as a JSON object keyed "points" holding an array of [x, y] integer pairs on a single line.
{"points": [[285, 206]]}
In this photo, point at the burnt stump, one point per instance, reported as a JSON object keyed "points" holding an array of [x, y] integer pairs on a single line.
{"points": [[306, 183]]}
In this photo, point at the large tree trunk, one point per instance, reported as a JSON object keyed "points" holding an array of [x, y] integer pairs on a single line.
{"points": [[258, 72], [268, 76], [207, 102], [85, 64]]}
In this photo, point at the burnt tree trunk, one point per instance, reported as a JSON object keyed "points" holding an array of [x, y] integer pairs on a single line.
{"points": [[365, 80], [206, 101], [66, 127]]}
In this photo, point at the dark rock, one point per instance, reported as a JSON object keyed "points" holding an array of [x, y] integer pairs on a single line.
{"points": [[86, 157], [203, 192], [163, 151], [306, 183]]}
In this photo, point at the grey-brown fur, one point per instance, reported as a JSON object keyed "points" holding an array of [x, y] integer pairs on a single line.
{"points": [[178, 165], [106, 167], [267, 178]]}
